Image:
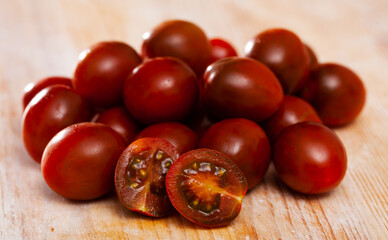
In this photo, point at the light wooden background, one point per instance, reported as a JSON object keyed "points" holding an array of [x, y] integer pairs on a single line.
{"points": [[42, 38]]}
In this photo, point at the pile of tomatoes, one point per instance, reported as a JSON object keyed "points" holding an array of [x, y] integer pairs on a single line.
{"points": [[190, 125]]}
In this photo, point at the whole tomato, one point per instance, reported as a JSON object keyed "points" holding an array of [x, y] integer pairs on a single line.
{"points": [[291, 111], [180, 39], [336, 92], [309, 158], [179, 135], [285, 54], [244, 142], [221, 49], [121, 121], [50, 111], [241, 87], [33, 88], [160, 90], [100, 74], [79, 162]]}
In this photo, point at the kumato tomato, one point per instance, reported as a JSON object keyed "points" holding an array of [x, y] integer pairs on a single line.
{"points": [[313, 59], [79, 162], [244, 142], [206, 187], [50, 111], [161, 89], [179, 135], [33, 88], [140, 176], [309, 158], [180, 39], [221, 49], [291, 111], [102, 69], [121, 121], [336, 92], [285, 54], [241, 87]]}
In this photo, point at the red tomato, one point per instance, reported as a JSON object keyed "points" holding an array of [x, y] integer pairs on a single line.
{"points": [[79, 162], [241, 87], [121, 121], [179, 135], [221, 49], [285, 54], [206, 187], [309, 158], [161, 90], [291, 111], [102, 70], [50, 111], [180, 39], [140, 176], [312, 56], [336, 92], [33, 88], [244, 142]]}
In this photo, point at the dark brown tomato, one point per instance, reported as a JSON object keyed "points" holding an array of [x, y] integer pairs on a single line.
{"points": [[178, 134], [180, 39], [221, 49], [102, 70], [161, 90], [79, 162], [336, 92], [140, 176], [244, 142], [50, 111], [292, 110], [241, 87], [206, 187], [309, 158], [285, 54], [33, 88], [121, 121]]}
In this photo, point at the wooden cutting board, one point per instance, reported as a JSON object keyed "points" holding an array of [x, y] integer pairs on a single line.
{"points": [[42, 38]]}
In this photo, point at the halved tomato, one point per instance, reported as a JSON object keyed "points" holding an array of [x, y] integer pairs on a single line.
{"points": [[140, 176], [206, 187]]}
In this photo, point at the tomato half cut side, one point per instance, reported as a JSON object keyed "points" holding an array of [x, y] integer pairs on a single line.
{"points": [[206, 187], [140, 176]]}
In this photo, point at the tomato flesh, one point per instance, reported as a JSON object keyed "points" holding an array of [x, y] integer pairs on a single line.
{"points": [[140, 176], [206, 187]]}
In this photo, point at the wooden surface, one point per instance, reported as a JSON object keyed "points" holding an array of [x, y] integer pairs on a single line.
{"points": [[42, 38]]}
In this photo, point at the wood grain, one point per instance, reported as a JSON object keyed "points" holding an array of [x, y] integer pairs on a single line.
{"points": [[42, 38]]}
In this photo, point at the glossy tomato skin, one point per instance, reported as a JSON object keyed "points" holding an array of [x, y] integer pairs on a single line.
{"points": [[292, 110], [285, 54], [140, 176], [310, 158], [50, 111], [221, 49], [33, 88], [161, 90], [336, 92], [241, 87], [79, 162], [313, 59], [102, 70], [121, 121], [180, 39], [244, 142], [206, 187], [178, 134]]}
